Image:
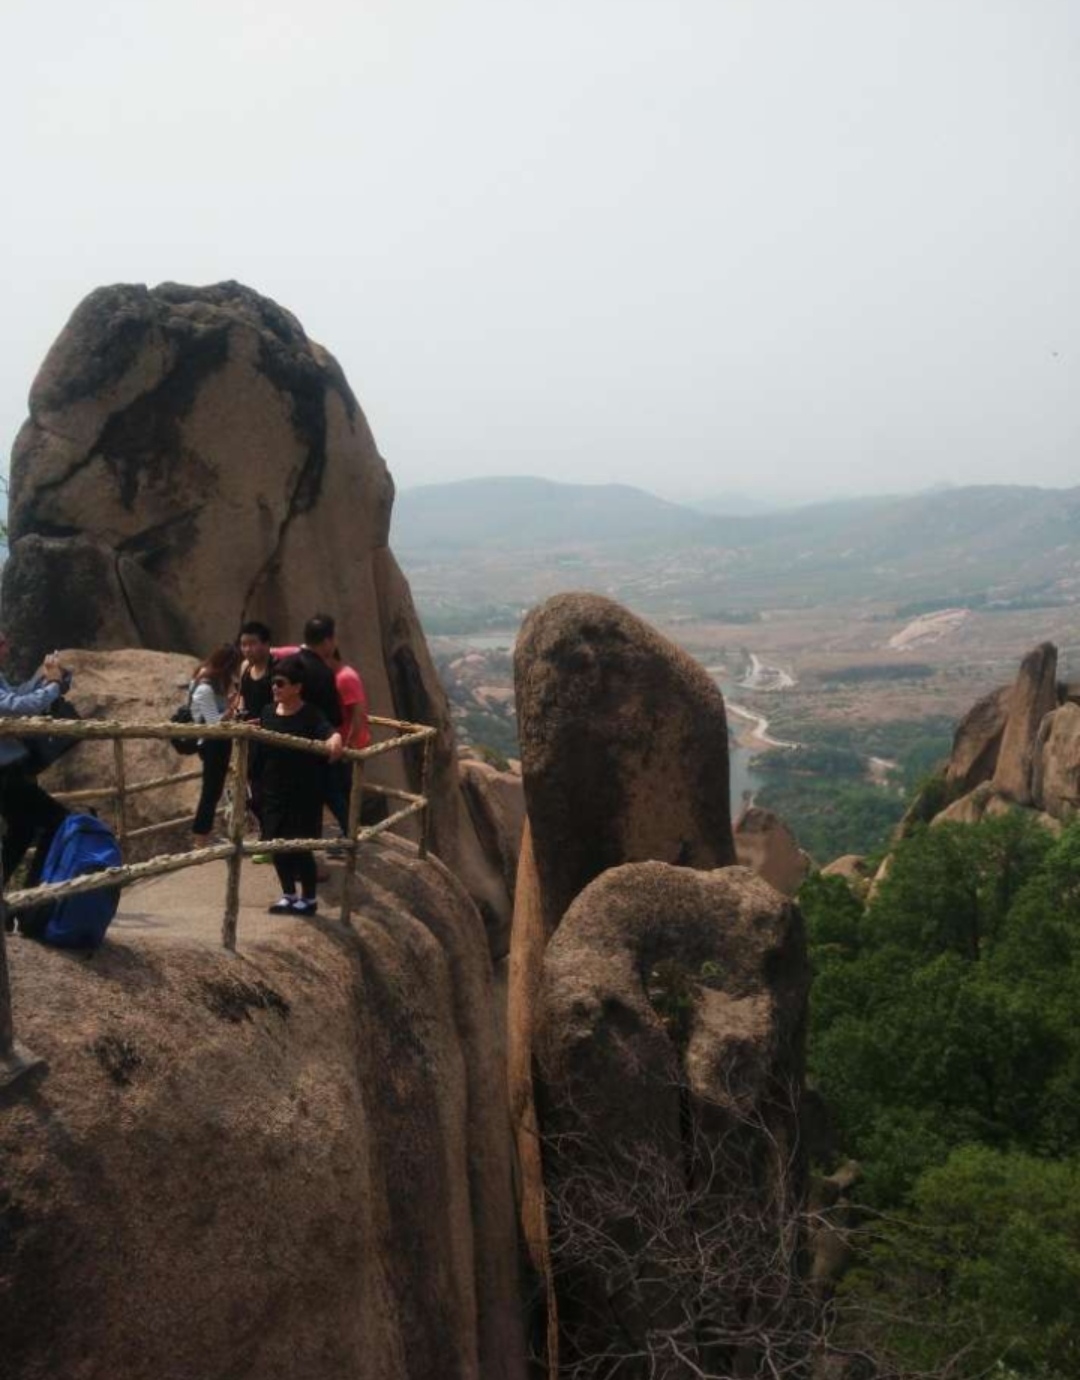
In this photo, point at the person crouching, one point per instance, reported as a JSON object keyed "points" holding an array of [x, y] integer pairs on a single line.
{"points": [[293, 783]]}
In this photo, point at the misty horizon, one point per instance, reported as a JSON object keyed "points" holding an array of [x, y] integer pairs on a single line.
{"points": [[761, 250]]}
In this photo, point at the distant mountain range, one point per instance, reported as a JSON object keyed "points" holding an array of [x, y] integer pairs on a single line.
{"points": [[975, 544]]}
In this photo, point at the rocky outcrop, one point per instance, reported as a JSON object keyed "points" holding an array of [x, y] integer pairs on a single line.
{"points": [[855, 870], [669, 1053], [291, 1163], [624, 749], [977, 742], [765, 844], [1033, 696], [192, 459], [1056, 775], [131, 687], [496, 803]]}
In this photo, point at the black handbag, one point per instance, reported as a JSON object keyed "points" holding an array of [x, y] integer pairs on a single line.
{"points": [[186, 747], [42, 752]]}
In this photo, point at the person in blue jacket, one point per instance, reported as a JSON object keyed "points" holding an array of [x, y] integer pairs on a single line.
{"points": [[29, 813]]}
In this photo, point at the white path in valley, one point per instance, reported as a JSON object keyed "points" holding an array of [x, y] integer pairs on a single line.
{"points": [[764, 677], [760, 731]]}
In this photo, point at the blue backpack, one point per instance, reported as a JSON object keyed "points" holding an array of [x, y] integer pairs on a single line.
{"points": [[82, 844]]}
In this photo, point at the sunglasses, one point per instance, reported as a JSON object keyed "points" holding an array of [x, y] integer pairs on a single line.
{"points": [[278, 681]]}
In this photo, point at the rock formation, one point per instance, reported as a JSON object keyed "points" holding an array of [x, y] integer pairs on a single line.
{"points": [[670, 1056], [1033, 696], [625, 867], [765, 844], [977, 741], [292, 1162], [130, 686], [192, 459], [624, 750], [1017, 748], [1056, 773]]}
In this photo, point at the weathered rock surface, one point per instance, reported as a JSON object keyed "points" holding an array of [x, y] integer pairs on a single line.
{"points": [[1033, 696], [853, 868], [984, 802], [496, 802], [765, 844], [624, 748], [192, 459], [670, 1042], [1056, 775], [130, 686], [977, 741], [292, 1162]]}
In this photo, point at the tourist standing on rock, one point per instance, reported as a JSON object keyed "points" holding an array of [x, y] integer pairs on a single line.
{"points": [[293, 783], [316, 656], [355, 732], [213, 699], [30, 814]]}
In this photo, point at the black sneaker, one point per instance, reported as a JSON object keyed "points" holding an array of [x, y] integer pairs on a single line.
{"points": [[305, 907], [288, 905]]}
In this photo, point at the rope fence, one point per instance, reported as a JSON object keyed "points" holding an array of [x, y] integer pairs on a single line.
{"points": [[15, 1060]]}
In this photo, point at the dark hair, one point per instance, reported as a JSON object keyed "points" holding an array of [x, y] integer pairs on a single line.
{"points": [[318, 628], [292, 669], [220, 666], [253, 628]]}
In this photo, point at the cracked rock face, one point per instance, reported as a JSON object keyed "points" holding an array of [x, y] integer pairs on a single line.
{"points": [[669, 1051], [192, 460]]}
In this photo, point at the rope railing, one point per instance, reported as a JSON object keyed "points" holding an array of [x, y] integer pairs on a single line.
{"points": [[14, 1059]]}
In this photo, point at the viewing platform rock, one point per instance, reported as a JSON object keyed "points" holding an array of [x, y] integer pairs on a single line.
{"points": [[189, 905], [287, 1160]]}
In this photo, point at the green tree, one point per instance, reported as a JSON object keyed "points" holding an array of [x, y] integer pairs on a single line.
{"points": [[987, 1266]]}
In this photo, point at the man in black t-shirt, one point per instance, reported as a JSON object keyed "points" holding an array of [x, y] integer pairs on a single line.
{"points": [[320, 687]]}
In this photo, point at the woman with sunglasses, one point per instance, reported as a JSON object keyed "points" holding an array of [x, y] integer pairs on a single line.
{"points": [[293, 784]]}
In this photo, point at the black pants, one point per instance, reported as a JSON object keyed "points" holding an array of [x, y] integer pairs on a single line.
{"points": [[30, 815], [296, 870], [215, 756], [338, 786], [295, 815]]}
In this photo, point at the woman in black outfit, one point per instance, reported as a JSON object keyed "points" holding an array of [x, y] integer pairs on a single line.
{"points": [[293, 784]]}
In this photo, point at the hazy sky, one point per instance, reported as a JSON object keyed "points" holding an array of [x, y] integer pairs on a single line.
{"points": [[695, 245]]}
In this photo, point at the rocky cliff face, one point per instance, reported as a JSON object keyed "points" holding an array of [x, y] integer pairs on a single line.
{"points": [[659, 995], [192, 459], [292, 1162], [1018, 748]]}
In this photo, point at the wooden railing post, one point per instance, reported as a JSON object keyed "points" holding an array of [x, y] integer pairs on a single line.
{"points": [[16, 1061], [425, 782], [121, 793], [356, 798], [236, 838]]}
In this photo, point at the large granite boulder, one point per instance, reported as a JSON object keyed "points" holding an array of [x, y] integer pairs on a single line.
{"points": [[292, 1162], [1033, 696], [193, 459], [624, 748], [765, 844], [670, 1054], [1056, 775], [977, 742]]}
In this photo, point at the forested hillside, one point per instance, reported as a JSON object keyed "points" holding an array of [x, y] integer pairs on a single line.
{"points": [[945, 1044]]}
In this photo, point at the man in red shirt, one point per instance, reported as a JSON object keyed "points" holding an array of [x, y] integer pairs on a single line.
{"points": [[355, 727]]}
